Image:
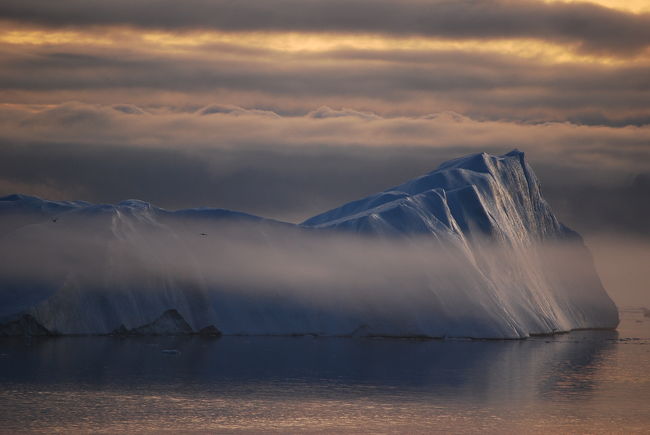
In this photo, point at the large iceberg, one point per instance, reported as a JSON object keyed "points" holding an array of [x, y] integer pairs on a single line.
{"points": [[469, 250]]}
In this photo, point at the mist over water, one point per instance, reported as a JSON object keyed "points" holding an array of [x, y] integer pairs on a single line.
{"points": [[622, 263], [91, 271]]}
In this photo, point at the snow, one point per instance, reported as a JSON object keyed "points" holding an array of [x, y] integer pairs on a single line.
{"points": [[470, 249]]}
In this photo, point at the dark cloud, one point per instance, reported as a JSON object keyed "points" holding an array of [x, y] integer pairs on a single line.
{"points": [[481, 85], [593, 28]]}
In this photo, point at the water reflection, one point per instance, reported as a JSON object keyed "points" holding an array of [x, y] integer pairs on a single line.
{"points": [[300, 383], [488, 369]]}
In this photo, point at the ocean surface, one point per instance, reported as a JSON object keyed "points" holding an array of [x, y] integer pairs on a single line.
{"points": [[581, 382]]}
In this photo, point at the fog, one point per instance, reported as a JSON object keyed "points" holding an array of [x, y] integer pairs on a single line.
{"points": [[92, 269], [622, 263]]}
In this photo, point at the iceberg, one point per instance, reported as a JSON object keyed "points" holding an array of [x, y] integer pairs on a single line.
{"points": [[469, 250]]}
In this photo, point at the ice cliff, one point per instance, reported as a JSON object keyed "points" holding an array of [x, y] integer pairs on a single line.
{"points": [[470, 249]]}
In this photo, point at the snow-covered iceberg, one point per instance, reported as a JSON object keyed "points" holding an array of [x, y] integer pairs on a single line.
{"points": [[470, 249]]}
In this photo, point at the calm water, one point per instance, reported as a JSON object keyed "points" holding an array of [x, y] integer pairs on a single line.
{"points": [[590, 381]]}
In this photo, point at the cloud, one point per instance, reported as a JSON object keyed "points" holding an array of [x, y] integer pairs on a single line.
{"points": [[234, 110], [228, 126], [291, 167], [591, 27], [324, 112], [387, 82]]}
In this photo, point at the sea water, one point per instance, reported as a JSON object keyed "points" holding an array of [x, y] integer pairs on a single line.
{"points": [[584, 381]]}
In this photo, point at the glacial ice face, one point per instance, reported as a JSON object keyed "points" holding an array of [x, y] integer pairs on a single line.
{"points": [[470, 249], [534, 274]]}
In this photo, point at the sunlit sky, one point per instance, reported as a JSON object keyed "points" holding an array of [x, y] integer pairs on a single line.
{"points": [[486, 59], [624, 5]]}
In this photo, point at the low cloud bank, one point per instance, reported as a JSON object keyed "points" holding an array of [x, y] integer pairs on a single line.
{"points": [[292, 167]]}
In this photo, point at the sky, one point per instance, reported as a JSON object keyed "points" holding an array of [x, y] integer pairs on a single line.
{"points": [[286, 108]]}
